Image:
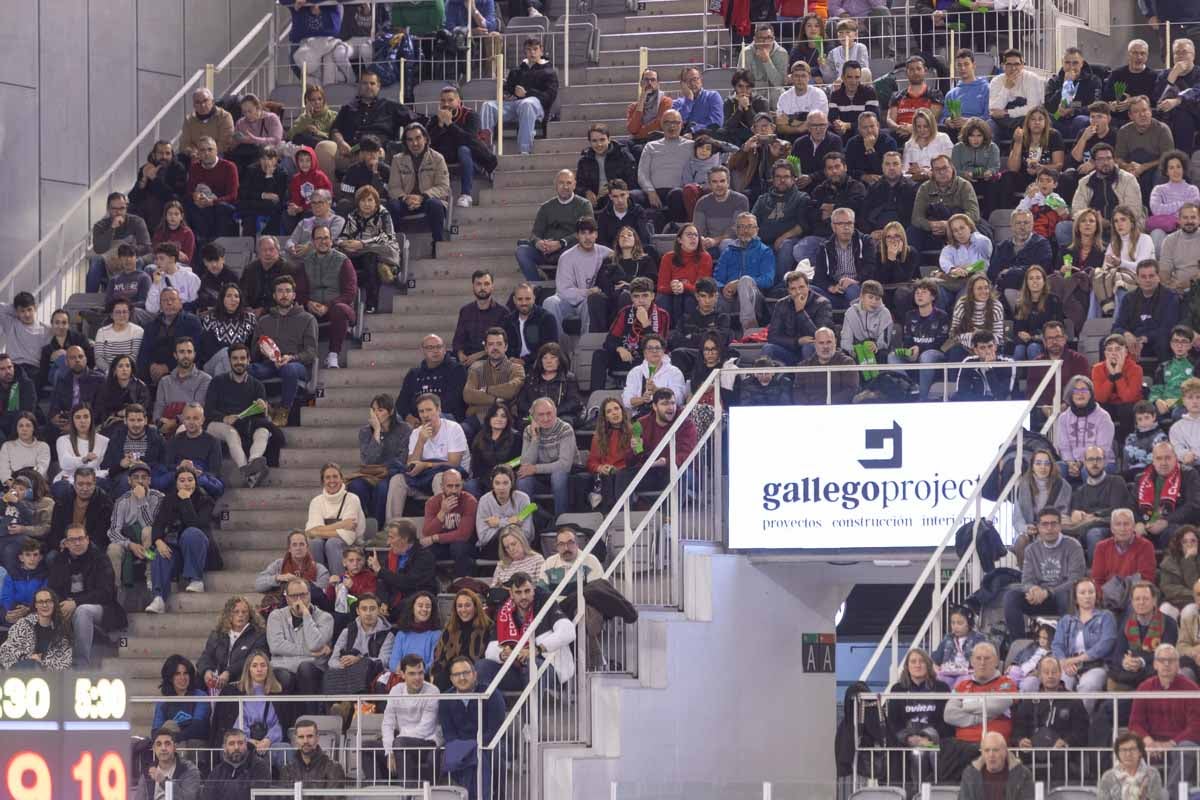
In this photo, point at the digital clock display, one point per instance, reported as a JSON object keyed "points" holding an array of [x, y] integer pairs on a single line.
{"points": [[63, 736]]}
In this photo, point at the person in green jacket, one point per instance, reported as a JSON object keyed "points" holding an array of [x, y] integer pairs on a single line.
{"points": [[1170, 375]]}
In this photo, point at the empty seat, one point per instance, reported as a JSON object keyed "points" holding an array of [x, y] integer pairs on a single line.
{"points": [[879, 793], [338, 94], [239, 252], [1091, 337]]}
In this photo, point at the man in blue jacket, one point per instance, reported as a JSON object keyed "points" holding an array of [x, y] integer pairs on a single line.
{"points": [[460, 726], [745, 270], [25, 577], [700, 108]]}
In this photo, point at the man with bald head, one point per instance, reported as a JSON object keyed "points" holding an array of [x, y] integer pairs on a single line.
{"points": [[968, 714], [1166, 725], [660, 170], [996, 768], [439, 373], [1168, 495], [554, 226], [814, 388]]}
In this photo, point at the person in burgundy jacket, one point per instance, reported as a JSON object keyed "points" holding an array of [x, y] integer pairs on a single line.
{"points": [[655, 427], [1165, 725], [212, 193], [1124, 553], [326, 287]]}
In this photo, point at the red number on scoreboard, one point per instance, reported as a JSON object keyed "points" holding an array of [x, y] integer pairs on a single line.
{"points": [[112, 781], [23, 765]]}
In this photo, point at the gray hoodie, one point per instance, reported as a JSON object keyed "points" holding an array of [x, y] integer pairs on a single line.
{"points": [[861, 325]]}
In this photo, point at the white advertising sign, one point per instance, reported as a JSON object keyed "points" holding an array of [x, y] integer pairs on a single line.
{"points": [[857, 477]]}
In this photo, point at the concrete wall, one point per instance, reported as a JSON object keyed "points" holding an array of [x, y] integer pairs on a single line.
{"points": [[721, 703], [78, 79]]}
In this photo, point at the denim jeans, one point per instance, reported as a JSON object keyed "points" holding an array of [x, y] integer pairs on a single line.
{"points": [[466, 167], [529, 258], [328, 552], [1027, 351], [85, 620], [840, 299], [528, 111], [97, 275], [189, 556], [372, 498], [925, 377], [788, 356], [558, 487], [290, 375], [560, 309]]}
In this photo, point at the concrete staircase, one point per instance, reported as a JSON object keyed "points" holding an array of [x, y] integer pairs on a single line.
{"points": [[257, 520]]}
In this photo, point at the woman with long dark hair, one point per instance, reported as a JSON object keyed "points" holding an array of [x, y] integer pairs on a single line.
{"points": [[41, 638], [687, 263], [499, 508], [1036, 306], [227, 323], [550, 376], [179, 682], [81, 446], [24, 449], [418, 628], [174, 228], [120, 337], [610, 454], [122, 388], [466, 633], [182, 538], [1041, 486], [496, 443], [629, 260], [53, 359]]}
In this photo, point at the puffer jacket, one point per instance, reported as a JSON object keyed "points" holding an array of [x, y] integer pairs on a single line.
{"points": [[1087, 90]]}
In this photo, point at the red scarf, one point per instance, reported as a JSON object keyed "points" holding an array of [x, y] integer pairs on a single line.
{"points": [[306, 570], [631, 338], [508, 629], [1167, 500]]}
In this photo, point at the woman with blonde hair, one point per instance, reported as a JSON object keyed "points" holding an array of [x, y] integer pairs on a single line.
{"points": [[925, 144], [1071, 282], [240, 631], [966, 252], [264, 721], [516, 555]]}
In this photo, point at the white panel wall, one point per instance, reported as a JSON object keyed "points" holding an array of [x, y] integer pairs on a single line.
{"points": [[78, 80], [730, 707]]}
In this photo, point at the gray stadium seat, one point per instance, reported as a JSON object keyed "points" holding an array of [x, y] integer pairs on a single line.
{"points": [[1072, 793], [718, 78], [942, 793], [239, 252], [879, 793], [338, 94], [1091, 337]]}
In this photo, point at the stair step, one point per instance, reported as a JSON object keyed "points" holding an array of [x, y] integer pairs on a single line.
{"points": [[610, 42], [283, 497], [296, 456], [353, 398], [134, 668], [336, 416], [400, 357], [409, 341], [493, 234], [448, 306], [562, 146], [160, 647], [602, 92], [350, 377], [652, 23], [523, 194], [461, 268], [585, 112], [281, 519], [266, 544], [579, 128], [160, 626], [513, 179], [668, 73], [660, 7], [693, 51]]}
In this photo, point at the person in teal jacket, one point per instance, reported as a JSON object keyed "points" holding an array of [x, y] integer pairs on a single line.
{"points": [[745, 270]]}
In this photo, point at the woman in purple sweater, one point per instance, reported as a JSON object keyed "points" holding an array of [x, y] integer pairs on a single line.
{"points": [[1167, 198]]}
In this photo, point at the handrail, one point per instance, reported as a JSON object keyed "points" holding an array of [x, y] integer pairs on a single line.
{"points": [[1054, 372], [682, 416]]}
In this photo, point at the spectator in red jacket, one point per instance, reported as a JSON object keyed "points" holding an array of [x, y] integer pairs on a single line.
{"points": [[1124, 553], [1118, 382], [212, 192], [655, 427], [679, 271], [449, 527], [308, 179], [1165, 725]]}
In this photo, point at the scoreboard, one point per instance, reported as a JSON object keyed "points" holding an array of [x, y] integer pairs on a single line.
{"points": [[63, 736]]}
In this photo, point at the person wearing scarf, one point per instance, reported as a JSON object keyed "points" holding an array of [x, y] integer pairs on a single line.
{"points": [[296, 563], [1168, 495], [1130, 777], [1145, 627], [623, 345], [1084, 425]]}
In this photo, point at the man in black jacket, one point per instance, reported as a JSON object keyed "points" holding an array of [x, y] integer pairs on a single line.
{"points": [[618, 163], [367, 113], [160, 180], [838, 190], [134, 441], [529, 93], [438, 373], [240, 771], [795, 320], [454, 133], [370, 170], [1147, 316], [529, 326], [309, 764], [890, 199], [845, 248], [229, 395], [88, 500], [407, 567], [17, 394], [83, 579], [620, 212]]}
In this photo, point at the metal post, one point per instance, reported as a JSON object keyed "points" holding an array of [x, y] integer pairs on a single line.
{"points": [[298, 790], [470, 38], [766, 790], [210, 77], [1010, 31], [581, 663], [950, 53], [358, 700], [718, 455], [500, 103], [535, 723], [674, 541], [304, 81], [402, 70], [273, 33], [566, 17], [479, 743], [170, 790], [1168, 51]]}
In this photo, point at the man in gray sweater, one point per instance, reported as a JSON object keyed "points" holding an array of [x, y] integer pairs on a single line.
{"points": [[660, 170], [1052, 565], [21, 335], [576, 278], [1179, 264], [716, 211], [301, 639], [548, 452], [294, 332], [553, 227]]}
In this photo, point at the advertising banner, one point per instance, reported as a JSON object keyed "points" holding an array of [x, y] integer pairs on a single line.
{"points": [[857, 477]]}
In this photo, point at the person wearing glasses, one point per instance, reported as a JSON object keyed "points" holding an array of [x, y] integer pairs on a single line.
{"points": [[82, 577], [301, 638], [460, 724], [644, 115], [41, 639], [117, 227], [419, 182], [1166, 725], [1132, 773], [1012, 95], [1050, 568]]}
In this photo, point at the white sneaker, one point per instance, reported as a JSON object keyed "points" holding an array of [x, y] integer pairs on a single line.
{"points": [[195, 586], [464, 201], [331, 361], [157, 606]]}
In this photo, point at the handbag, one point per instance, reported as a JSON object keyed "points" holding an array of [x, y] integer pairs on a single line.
{"points": [[354, 678], [371, 473], [337, 517]]}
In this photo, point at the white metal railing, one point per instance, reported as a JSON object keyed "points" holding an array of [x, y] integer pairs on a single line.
{"points": [[53, 269], [1076, 765], [951, 587]]}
